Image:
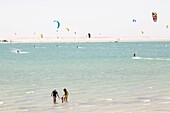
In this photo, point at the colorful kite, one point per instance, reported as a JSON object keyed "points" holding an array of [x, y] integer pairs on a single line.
{"points": [[133, 20], [58, 24], [154, 16]]}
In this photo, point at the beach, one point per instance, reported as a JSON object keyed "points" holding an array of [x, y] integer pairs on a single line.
{"points": [[85, 39], [99, 56]]}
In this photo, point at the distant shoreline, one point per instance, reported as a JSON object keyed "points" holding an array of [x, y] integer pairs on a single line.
{"points": [[83, 39]]}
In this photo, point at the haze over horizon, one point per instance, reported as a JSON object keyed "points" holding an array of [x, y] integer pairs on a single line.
{"points": [[104, 18]]}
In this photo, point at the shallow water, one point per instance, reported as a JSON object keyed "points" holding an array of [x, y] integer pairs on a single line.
{"points": [[100, 77]]}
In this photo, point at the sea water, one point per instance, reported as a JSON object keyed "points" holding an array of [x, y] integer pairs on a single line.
{"points": [[100, 77]]}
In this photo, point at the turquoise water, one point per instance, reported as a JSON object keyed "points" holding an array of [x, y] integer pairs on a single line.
{"points": [[100, 77]]}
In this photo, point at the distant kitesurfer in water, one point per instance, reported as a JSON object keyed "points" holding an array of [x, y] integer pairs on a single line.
{"points": [[54, 94], [17, 51], [134, 55]]}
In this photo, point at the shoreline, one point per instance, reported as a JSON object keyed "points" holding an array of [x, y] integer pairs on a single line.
{"points": [[82, 39]]}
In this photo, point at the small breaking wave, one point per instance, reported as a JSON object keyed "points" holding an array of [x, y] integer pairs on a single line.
{"points": [[18, 51], [109, 99], [147, 104], [24, 110], [147, 100], [165, 102], [80, 47], [147, 58], [1, 102], [23, 52], [30, 92]]}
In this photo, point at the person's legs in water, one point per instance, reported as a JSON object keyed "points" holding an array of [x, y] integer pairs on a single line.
{"points": [[54, 99]]}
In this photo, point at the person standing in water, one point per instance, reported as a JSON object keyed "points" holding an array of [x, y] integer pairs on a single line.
{"points": [[65, 96], [17, 51], [134, 55], [54, 94]]}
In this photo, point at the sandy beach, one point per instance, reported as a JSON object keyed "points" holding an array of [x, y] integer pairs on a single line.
{"points": [[83, 39]]}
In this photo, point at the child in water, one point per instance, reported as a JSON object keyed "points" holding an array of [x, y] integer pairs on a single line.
{"points": [[65, 96]]}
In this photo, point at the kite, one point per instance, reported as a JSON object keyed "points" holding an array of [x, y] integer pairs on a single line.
{"points": [[42, 36], [58, 23], [67, 29], [154, 16], [166, 26], [133, 20]]}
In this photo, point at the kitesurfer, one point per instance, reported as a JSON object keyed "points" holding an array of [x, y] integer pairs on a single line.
{"points": [[134, 55]]}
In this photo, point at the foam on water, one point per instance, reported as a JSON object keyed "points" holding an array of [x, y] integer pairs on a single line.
{"points": [[24, 110], [80, 47], [147, 58], [60, 107], [109, 99], [165, 102], [23, 52], [18, 51], [30, 92], [150, 87], [147, 104], [147, 100], [33, 84], [1, 102]]}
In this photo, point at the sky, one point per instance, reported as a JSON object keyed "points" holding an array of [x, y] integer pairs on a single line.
{"points": [[101, 18]]}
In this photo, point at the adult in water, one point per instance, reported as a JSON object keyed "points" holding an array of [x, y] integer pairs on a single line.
{"points": [[54, 94], [65, 96]]}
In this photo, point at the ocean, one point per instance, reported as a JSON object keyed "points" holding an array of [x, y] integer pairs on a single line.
{"points": [[100, 77]]}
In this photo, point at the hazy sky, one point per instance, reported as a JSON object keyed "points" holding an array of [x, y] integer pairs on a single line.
{"points": [[99, 17]]}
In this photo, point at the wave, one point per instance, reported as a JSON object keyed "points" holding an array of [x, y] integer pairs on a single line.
{"points": [[18, 51], [147, 100], [147, 104], [80, 47], [1, 102], [108, 99], [24, 110], [30, 92], [33, 84], [147, 58], [23, 52], [165, 102]]}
